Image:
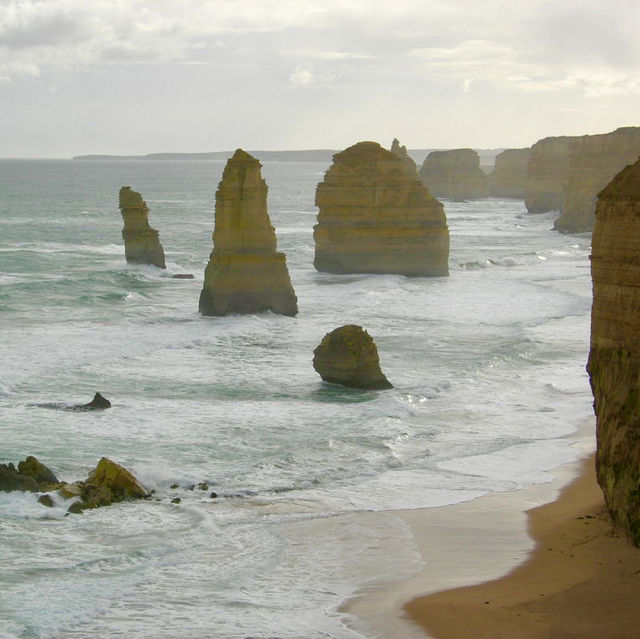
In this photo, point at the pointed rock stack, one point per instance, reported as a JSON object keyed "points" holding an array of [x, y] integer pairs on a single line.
{"points": [[141, 242], [245, 274], [376, 217], [614, 358], [401, 152], [454, 174]]}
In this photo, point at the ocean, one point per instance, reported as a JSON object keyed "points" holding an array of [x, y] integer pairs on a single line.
{"points": [[488, 368]]}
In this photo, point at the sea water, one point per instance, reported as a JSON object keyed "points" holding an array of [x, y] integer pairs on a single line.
{"points": [[489, 386]]}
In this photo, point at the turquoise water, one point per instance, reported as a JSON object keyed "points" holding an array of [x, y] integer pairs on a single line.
{"points": [[489, 386]]}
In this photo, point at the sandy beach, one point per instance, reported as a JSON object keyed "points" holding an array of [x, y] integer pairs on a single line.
{"points": [[546, 561]]}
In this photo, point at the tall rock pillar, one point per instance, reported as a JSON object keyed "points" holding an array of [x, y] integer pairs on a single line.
{"points": [[245, 273], [614, 358], [141, 242]]}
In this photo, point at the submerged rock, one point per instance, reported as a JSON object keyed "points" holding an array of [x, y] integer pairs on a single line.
{"points": [[141, 242], [376, 217], [245, 273], [614, 357], [454, 174], [348, 356]]}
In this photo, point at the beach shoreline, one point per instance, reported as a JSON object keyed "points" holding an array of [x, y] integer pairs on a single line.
{"points": [[463, 545]]}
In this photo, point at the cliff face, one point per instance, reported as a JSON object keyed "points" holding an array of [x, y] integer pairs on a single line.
{"points": [[593, 161], [509, 178], [376, 217], [454, 174], [141, 242], [546, 174], [614, 358], [401, 152], [348, 356], [245, 274]]}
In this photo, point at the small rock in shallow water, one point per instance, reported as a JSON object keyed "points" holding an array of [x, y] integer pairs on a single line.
{"points": [[213, 495], [45, 500], [75, 508], [174, 486], [176, 500], [203, 486]]}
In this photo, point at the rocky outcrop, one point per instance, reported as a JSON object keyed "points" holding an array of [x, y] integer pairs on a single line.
{"points": [[245, 273], [614, 357], [401, 152], [593, 161], [454, 174], [37, 470], [546, 174], [348, 356], [509, 178], [141, 242], [12, 479], [376, 217]]}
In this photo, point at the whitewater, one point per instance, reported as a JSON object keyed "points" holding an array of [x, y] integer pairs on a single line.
{"points": [[489, 388]]}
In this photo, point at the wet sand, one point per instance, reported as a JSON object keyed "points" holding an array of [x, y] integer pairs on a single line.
{"points": [[582, 580]]}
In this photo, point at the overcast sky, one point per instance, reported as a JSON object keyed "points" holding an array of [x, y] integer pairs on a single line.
{"points": [[142, 76]]}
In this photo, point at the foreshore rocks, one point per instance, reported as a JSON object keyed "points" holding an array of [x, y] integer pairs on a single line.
{"points": [[546, 174], [614, 357], [245, 273], [106, 484], [593, 161], [509, 178], [141, 242], [454, 174], [375, 216], [348, 356]]}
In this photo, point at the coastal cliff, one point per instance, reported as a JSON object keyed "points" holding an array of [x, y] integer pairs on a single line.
{"points": [[593, 161], [546, 174], [245, 273], [376, 217], [614, 358], [454, 174], [141, 242], [509, 178]]}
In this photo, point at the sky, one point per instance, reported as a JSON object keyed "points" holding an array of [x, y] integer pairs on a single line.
{"points": [[145, 76]]}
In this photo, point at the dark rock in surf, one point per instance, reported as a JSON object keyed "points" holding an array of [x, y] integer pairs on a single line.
{"points": [[97, 403], [182, 276], [12, 479], [46, 500], [37, 470]]}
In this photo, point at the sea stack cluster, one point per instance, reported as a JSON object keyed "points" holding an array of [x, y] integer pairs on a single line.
{"points": [[454, 174], [245, 273], [141, 242], [614, 358], [375, 216]]}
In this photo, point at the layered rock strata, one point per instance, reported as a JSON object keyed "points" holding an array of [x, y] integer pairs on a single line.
{"points": [[454, 174], [546, 174], [401, 152], [509, 178], [614, 357], [245, 273], [375, 216], [348, 356], [141, 242], [593, 161]]}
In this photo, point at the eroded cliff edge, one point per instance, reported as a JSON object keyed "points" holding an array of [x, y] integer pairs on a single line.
{"points": [[376, 217], [614, 357], [245, 273]]}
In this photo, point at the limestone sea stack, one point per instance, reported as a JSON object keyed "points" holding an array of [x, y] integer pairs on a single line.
{"points": [[593, 161], [401, 152], [614, 357], [376, 217], [245, 273], [509, 178], [454, 174], [141, 242], [546, 174], [348, 356]]}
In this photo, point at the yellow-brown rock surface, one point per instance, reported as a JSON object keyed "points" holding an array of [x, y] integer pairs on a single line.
{"points": [[547, 173], [245, 273], [348, 356], [509, 178], [614, 358], [593, 161], [141, 242], [375, 216], [454, 174], [401, 152]]}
